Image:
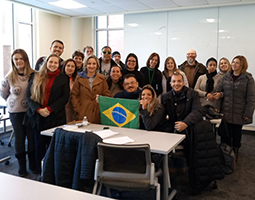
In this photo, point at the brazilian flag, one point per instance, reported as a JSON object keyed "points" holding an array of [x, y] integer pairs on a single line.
{"points": [[119, 112]]}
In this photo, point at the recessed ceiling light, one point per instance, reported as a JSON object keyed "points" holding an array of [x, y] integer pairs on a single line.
{"points": [[67, 4], [210, 20], [133, 24], [158, 33]]}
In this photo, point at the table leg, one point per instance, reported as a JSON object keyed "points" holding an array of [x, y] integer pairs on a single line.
{"points": [[166, 178]]}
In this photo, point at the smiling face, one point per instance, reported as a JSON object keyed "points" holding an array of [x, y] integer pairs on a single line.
{"points": [[211, 67], [153, 62], [115, 74], [19, 62], [70, 68], [147, 95], [52, 64], [91, 66], [191, 57], [236, 66], [57, 48], [88, 52], [170, 65], [78, 60], [130, 84], [177, 82], [106, 55], [131, 63], [224, 66]]}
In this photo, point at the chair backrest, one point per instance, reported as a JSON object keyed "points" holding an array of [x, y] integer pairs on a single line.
{"points": [[124, 161]]}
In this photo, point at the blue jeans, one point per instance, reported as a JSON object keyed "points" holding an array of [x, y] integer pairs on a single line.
{"points": [[21, 133]]}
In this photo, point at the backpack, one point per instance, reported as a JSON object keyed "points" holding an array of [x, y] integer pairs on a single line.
{"points": [[227, 158]]}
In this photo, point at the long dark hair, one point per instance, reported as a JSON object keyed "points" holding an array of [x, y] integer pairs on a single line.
{"points": [[134, 56], [64, 67]]}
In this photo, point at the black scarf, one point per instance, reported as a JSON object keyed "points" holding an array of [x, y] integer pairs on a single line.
{"points": [[210, 81]]}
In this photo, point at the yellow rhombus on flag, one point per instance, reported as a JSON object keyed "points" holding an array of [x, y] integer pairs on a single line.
{"points": [[119, 112]]}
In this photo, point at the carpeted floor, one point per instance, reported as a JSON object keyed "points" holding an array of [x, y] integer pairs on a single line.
{"points": [[236, 186]]}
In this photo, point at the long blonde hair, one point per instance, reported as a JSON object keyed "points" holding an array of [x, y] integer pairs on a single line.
{"points": [[40, 81], [13, 74], [154, 102]]}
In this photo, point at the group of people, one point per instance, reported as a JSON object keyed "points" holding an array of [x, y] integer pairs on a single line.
{"points": [[58, 92]]}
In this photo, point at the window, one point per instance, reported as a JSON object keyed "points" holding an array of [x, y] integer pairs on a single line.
{"points": [[110, 32], [16, 32]]}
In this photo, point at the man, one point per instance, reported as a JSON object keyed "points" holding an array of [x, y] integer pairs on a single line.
{"points": [[88, 51], [105, 61], [131, 88], [192, 68], [116, 57], [57, 47], [182, 105]]}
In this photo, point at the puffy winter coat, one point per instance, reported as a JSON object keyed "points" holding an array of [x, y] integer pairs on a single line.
{"points": [[238, 98]]}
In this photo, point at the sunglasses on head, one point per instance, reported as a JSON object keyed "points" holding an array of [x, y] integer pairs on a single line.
{"points": [[105, 52]]}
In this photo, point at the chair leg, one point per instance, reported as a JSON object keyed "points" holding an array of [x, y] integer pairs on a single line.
{"points": [[99, 189], [95, 188], [10, 139], [158, 192]]}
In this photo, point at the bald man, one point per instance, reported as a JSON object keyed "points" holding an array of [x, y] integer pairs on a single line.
{"points": [[192, 68]]}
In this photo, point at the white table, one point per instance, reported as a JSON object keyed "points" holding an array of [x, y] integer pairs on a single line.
{"points": [[14, 187], [160, 142]]}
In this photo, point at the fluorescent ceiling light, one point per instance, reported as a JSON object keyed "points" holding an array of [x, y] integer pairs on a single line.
{"points": [[221, 31], [67, 4], [210, 20], [133, 24], [158, 33]]}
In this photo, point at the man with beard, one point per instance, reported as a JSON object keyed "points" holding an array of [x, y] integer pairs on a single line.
{"points": [[192, 68], [131, 88], [57, 47]]}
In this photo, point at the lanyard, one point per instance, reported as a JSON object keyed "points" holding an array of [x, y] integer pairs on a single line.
{"points": [[114, 88], [151, 76]]}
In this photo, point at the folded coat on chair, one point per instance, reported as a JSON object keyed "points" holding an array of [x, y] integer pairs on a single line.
{"points": [[70, 159]]}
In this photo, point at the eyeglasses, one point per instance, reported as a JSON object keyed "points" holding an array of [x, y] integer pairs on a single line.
{"points": [[105, 52], [131, 83], [133, 61], [191, 54]]}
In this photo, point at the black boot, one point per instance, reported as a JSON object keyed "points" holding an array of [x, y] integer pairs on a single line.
{"points": [[32, 163], [236, 149], [22, 164]]}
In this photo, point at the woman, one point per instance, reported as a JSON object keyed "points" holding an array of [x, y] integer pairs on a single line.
{"points": [[115, 81], [237, 91], [151, 111], [224, 66], [70, 69], [78, 58], [13, 90], [169, 69], [88, 85], [151, 73], [206, 86], [131, 67], [47, 94]]}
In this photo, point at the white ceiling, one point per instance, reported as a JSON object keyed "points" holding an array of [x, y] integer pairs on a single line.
{"points": [[103, 7]]}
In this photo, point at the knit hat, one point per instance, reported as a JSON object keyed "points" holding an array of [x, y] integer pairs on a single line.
{"points": [[115, 53], [209, 60]]}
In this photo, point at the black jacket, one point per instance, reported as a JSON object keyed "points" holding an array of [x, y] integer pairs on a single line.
{"points": [[156, 81], [138, 75], [202, 156], [59, 96], [184, 107], [70, 159], [128, 95]]}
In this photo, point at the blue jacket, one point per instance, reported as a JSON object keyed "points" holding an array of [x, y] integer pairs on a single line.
{"points": [[70, 159]]}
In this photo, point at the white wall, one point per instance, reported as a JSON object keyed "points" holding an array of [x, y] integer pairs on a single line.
{"points": [[74, 32], [188, 29]]}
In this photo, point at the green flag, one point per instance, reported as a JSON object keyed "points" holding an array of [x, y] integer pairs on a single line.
{"points": [[119, 112]]}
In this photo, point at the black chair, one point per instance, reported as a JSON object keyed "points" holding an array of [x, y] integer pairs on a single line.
{"points": [[125, 167]]}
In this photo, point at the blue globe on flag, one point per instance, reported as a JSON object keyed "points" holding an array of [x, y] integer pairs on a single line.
{"points": [[119, 115]]}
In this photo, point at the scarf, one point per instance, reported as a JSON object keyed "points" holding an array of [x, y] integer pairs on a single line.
{"points": [[210, 81]]}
